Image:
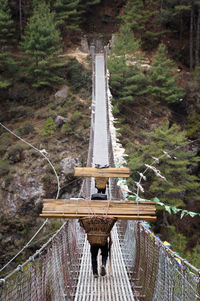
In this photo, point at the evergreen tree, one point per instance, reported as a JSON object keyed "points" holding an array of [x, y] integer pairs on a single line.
{"points": [[125, 43], [172, 13], [67, 14], [193, 257], [176, 165], [143, 17], [6, 23], [134, 14], [192, 89], [7, 64], [85, 5], [41, 46], [163, 86], [127, 79]]}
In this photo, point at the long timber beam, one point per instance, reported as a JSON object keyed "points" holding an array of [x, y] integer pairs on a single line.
{"points": [[112, 208]]}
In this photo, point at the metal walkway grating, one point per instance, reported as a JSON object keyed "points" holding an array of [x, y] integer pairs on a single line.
{"points": [[116, 287], [100, 127], [107, 288]]}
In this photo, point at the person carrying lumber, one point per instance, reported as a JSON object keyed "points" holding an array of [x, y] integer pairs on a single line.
{"points": [[101, 239], [105, 249], [98, 230]]}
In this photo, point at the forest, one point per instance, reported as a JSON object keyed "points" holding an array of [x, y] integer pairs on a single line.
{"points": [[155, 85]]}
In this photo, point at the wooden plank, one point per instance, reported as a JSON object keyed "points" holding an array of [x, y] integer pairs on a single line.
{"points": [[111, 205], [93, 202], [100, 211], [99, 206], [81, 207], [124, 217], [101, 172]]}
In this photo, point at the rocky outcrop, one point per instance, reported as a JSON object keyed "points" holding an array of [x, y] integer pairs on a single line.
{"points": [[62, 93], [24, 193], [60, 120], [68, 164], [84, 45]]}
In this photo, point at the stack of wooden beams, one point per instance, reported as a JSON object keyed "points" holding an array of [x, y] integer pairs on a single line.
{"points": [[77, 208], [110, 172]]}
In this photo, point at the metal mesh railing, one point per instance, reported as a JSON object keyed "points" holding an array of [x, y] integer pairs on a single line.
{"points": [[51, 274], [155, 272]]}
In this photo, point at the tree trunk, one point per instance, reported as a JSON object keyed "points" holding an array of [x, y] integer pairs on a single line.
{"points": [[181, 31], [197, 39], [191, 36], [20, 18], [161, 13]]}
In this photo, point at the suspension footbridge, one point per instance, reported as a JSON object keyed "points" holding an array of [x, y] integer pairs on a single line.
{"points": [[143, 267]]}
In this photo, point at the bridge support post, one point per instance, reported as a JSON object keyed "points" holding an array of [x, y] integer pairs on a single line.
{"points": [[92, 51]]}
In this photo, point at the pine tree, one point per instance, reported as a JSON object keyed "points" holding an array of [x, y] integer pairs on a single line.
{"points": [[6, 23], [134, 14], [163, 86], [143, 17], [86, 5], [7, 69], [67, 14], [127, 79], [176, 165], [192, 89], [125, 43], [7, 64], [41, 46]]}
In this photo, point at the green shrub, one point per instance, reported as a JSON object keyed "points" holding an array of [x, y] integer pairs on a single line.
{"points": [[4, 168], [26, 129], [8, 179], [115, 109], [42, 115], [23, 93], [62, 112], [52, 114], [48, 128], [66, 129], [5, 142], [5, 139], [55, 224], [48, 179], [58, 168], [20, 112], [19, 92], [3, 149], [76, 116], [193, 257], [71, 99], [15, 152], [33, 153], [78, 76], [57, 102]]}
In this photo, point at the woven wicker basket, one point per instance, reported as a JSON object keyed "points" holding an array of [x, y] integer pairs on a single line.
{"points": [[97, 228]]}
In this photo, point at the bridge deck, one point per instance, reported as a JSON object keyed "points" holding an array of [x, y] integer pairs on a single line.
{"points": [[100, 125], [116, 287]]}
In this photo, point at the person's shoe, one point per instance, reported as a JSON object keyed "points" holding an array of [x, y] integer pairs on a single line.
{"points": [[103, 270], [95, 275]]}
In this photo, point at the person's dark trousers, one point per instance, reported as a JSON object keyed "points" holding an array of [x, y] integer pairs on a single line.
{"points": [[94, 252]]}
